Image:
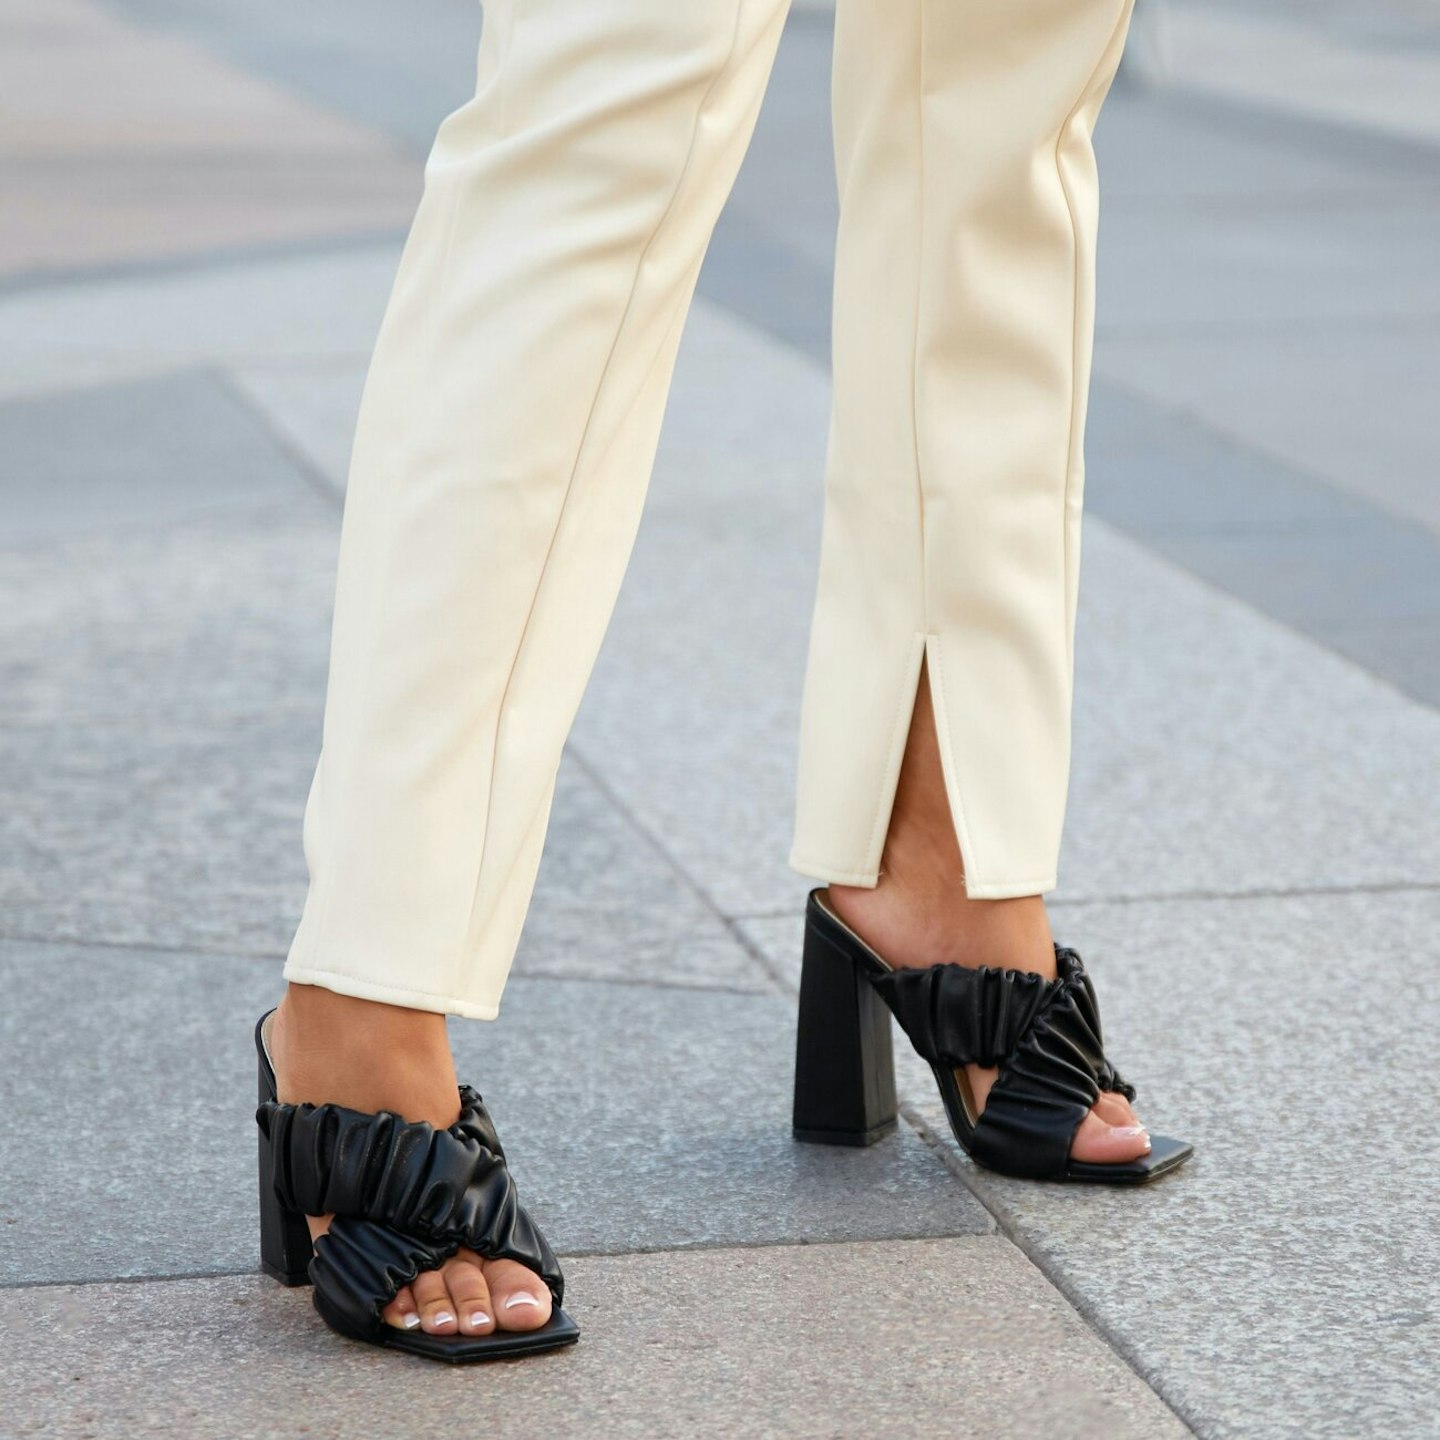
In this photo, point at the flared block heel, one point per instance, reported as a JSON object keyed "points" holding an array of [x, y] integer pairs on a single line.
{"points": [[1043, 1036], [285, 1245], [844, 1065]]}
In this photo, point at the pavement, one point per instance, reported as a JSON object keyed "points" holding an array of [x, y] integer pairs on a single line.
{"points": [[204, 206]]}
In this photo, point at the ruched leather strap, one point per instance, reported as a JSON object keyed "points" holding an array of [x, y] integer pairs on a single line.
{"points": [[959, 1016], [360, 1267], [1044, 1035], [1047, 1086], [406, 1196]]}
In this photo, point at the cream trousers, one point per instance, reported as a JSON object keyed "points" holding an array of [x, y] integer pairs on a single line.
{"points": [[512, 411]]}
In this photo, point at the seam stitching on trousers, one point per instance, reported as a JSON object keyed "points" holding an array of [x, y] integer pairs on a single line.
{"points": [[700, 112], [1085, 92], [954, 800], [919, 289]]}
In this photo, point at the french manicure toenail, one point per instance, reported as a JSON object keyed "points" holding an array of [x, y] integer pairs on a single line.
{"points": [[410, 1321], [1126, 1132], [479, 1318], [521, 1298], [444, 1317]]}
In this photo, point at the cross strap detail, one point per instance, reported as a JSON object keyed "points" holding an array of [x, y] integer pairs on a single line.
{"points": [[405, 1195], [1043, 1035], [958, 1016]]}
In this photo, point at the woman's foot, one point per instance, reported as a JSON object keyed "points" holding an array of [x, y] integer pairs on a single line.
{"points": [[334, 1049], [919, 915]]}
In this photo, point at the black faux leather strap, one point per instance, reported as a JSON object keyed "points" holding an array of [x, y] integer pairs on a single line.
{"points": [[1048, 1084], [406, 1196], [360, 1267], [954, 1015], [1044, 1035]]}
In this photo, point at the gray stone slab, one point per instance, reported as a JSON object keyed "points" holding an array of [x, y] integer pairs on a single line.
{"points": [[315, 407], [1216, 751], [1359, 579], [786, 187], [160, 718], [1406, 652], [130, 1083], [1256, 264], [1370, 67], [1317, 581], [727, 552], [1157, 143], [133, 455], [609, 905], [160, 710], [1284, 1284], [676, 1127], [949, 1337], [321, 306], [637, 1117], [1159, 472], [1350, 403], [398, 70]]}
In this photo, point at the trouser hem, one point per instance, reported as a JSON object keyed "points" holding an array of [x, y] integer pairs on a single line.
{"points": [[974, 890], [391, 994]]}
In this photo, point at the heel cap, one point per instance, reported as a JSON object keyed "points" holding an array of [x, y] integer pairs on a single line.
{"points": [[855, 1139], [292, 1279]]}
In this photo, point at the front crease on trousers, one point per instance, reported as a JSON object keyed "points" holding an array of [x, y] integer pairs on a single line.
{"points": [[513, 407]]}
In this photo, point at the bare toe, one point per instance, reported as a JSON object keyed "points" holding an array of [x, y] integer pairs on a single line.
{"points": [[1114, 1109], [465, 1280], [432, 1299], [402, 1311], [522, 1299], [1101, 1143]]}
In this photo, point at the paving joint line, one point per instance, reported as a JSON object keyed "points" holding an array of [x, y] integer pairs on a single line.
{"points": [[316, 480], [278, 957], [1249, 445], [1008, 1230], [1381, 887], [688, 1248], [677, 868], [1287, 327]]}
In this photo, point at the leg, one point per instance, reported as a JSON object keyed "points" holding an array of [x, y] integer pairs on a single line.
{"points": [[964, 303], [504, 445], [919, 914], [505, 441]]}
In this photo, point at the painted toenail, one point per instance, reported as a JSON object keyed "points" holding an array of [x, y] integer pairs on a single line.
{"points": [[479, 1318], [444, 1317], [520, 1298], [1127, 1132], [410, 1321]]}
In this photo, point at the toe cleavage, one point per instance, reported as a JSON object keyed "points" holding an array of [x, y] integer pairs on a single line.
{"points": [[405, 1197], [1043, 1035]]}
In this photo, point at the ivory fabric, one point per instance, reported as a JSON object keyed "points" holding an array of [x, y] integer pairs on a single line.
{"points": [[513, 407]]}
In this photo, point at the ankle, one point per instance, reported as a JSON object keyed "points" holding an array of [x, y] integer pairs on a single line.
{"points": [[920, 925], [338, 1049]]}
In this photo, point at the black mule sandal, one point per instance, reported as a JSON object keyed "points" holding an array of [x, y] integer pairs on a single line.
{"points": [[405, 1198], [1044, 1035]]}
